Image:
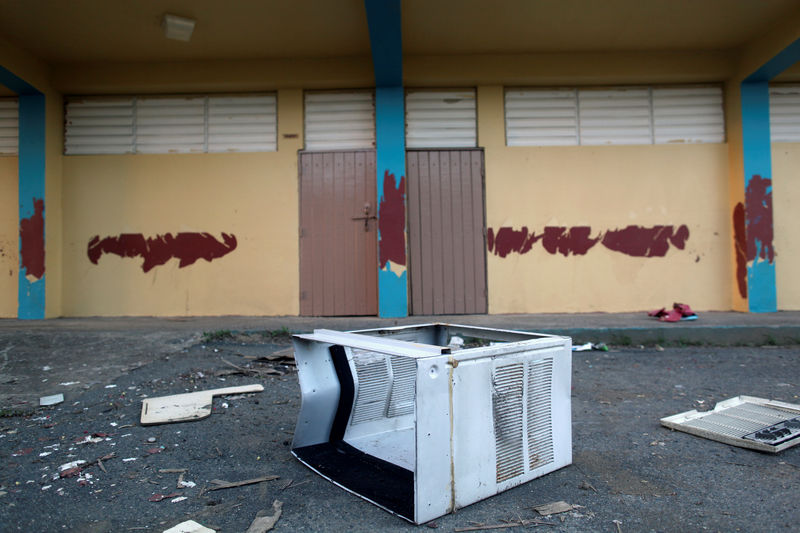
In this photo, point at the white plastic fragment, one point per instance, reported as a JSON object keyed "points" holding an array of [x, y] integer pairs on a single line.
{"points": [[178, 499], [128, 459], [68, 383], [73, 464], [190, 526]]}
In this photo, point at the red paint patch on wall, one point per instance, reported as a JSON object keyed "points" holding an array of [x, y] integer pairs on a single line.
{"points": [[758, 219], [636, 241], [575, 240], [392, 221], [740, 243], [510, 240], [187, 247], [31, 237]]}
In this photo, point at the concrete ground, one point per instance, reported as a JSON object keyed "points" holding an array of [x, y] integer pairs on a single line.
{"points": [[627, 468]]}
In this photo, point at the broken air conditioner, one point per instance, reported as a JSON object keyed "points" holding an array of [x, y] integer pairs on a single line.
{"points": [[423, 420]]}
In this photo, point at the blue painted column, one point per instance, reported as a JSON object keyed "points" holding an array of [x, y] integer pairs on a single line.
{"points": [[31, 206], [757, 155], [384, 19], [31, 285]]}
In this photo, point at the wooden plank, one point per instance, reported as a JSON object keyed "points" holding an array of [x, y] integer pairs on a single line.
{"points": [[349, 259], [371, 239], [328, 244], [341, 224], [457, 207], [318, 257], [478, 224], [446, 256], [185, 407], [414, 236], [426, 234], [437, 282], [306, 248]]}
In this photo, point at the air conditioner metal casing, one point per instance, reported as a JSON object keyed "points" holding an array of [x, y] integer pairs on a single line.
{"points": [[395, 416]]}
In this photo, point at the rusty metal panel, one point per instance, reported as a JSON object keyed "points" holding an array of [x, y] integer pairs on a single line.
{"points": [[447, 263], [338, 237]]}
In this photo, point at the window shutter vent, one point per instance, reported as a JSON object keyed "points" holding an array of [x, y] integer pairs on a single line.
{"points": [[441, 119], [9, 126]]}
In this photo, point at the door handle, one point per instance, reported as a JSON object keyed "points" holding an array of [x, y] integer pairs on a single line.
{"points": [[367, 217]]}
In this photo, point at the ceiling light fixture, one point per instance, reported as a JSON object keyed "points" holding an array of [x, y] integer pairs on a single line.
{"points": [[177, 28]]}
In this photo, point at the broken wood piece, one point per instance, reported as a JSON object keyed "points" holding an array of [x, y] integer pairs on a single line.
{"points": [[185, 407], [55, 399], [219, 484], [520, 523], [553, 508], [264, 522], [172, 470], [190, 526]]}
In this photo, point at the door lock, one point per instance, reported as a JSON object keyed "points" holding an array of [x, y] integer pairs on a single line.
{"points": [[367, 217]]}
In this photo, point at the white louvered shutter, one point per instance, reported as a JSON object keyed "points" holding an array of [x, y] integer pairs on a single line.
{"points": [[615, 116], [242, 123], [99, 126], [688, 115], [784, 113], [339, 120], [541, 117], [441, 119], [170, 125], [9, 126]]}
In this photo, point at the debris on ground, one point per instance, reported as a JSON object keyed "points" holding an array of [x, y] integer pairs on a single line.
{"points": [[676, 314], [55, 399], [219, 484], [589, 346], [749, 422], [190, 526], [160, 497], [553, 508], [185, 407], [264, 522], [585, 485], [504, 525], [617, 523]]}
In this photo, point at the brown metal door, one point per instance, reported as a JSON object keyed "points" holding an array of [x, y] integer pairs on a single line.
{"points": [[446, 244], [338, 234]]}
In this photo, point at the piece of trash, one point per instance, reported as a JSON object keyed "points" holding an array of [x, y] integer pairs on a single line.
{"points": [[111, 386], [128, 459], [677, 313], [747, 422], [617, 523], [456, 342], [219, 484], [179, 499], [504, 525], [152, 451], [160, 497], [589, 346], [44, 454], [46, 368], [23, 451], [51, 400], [264, 522], [184, 407], [553, 508], [190, 526], [151, 439], [585, 485], [68, 383]]}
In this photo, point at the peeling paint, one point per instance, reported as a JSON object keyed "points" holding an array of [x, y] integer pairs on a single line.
{"points": [[187, 247], [740, 244], [635, 241], [392, 221], [758, 219], [31, 238]]}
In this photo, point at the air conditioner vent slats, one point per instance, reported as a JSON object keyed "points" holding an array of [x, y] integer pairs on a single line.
{"points": [[373, 386], [404, 371], [522, 417]]}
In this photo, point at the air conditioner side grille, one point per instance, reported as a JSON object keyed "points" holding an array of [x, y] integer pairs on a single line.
{"points": [[540, 423], [523, 424], [373, 386], [508, 419], [404, 378]]}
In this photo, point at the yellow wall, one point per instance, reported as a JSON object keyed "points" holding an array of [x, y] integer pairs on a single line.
{"points": [[251, 195], [9, 237], [605, 187], [786, 198]]}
